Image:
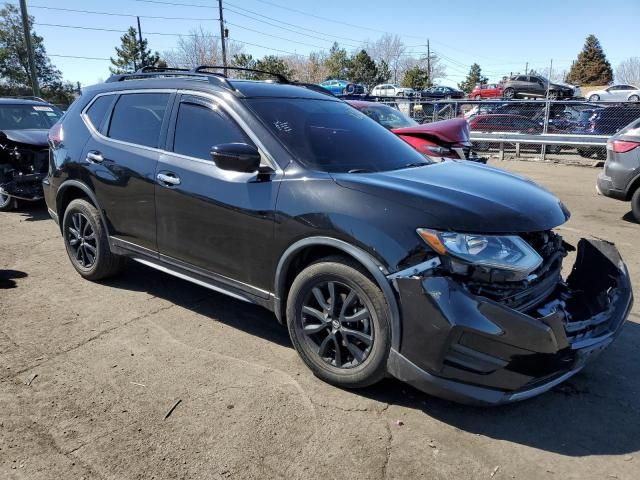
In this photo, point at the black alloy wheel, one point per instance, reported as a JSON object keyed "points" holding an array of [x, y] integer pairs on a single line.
{"points": [[337, 324], [82, 240]]}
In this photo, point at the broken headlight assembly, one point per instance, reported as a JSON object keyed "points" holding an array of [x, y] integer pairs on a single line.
{"points": [[507, 253]]}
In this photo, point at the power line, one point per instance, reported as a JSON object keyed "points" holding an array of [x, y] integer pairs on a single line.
{"points": [[77, 56], [274, 36], [174, 4], [119, 14]]}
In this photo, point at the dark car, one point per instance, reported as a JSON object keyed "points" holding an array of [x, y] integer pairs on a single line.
{"points": [[521, 86], [24, 152], [605, 121], [505, 123], [441, 93], [444, 275], [620, 178]]}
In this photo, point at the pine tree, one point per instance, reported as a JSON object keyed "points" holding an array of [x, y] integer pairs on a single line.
{"points": [[592, 66], [273, 64], [362, 69], [337, 63], [416, 78], [133, 55], [474, 77], [384, 73]]}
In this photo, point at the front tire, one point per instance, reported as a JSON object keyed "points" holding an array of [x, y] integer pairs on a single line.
{"points": [[339, 324], [594, 98], [86, 242], [634, 98], [509, 93], [7, 203], [635, 205]]}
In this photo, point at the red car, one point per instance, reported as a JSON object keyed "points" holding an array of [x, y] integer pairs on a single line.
{"points": [[489, 90], [444, 139]]}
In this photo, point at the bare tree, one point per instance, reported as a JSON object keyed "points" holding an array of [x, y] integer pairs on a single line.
{"points": [[200, 47], [390, 49], [628, 71]]}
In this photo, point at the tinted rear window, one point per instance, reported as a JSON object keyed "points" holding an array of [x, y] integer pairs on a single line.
{"points": [[332, 136], [137, 118]]}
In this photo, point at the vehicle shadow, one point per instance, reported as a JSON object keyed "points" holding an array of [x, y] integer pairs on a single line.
{"points": [[32, 211], [597, 412], [240, 315], [628, 217], [7, 278]]}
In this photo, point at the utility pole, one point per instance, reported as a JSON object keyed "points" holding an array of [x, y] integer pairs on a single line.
{"points": [[27, 38], [429, 62], [141, 46], [526, 68], [222, 37]]}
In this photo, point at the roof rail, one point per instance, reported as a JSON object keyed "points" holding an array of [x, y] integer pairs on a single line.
{"points": [[167, 72], [26, 97], [201, 69]]}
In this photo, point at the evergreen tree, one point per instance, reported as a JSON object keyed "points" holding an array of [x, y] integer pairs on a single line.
{"points": [[362, 69], [273, 64], [337, 63], [592, 66], [474, 77], [384, 73], [416, 78], [132, 55]]}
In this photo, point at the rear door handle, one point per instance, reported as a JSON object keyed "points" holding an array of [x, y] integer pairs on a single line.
{"points": [[94, 156], [168, 179]]}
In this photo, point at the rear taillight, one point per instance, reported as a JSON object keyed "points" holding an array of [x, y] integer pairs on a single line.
{"points": [[623, 146], [56, 135]]}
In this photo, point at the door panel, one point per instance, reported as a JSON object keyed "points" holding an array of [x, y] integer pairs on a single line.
{"points": [[217, 220], [123, 173]]}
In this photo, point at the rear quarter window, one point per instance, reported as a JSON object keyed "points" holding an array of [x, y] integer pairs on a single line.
{"points": [[98, 110]]}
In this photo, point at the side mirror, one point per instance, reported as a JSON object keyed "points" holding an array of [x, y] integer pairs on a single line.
{"points": [[237, 157]]}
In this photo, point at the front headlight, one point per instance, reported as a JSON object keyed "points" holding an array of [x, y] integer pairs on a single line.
{"points": [[508, 252]]}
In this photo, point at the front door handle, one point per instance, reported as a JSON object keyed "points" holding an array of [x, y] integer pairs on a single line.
{"points": [[168, 179], [94, 156]]}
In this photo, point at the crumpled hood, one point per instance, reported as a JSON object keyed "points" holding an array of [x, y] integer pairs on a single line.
{"points": [[465, 197], [28, 137], [455, 130]]}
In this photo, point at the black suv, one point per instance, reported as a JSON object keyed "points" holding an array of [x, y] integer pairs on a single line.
{"points": [[445, 275], [535, 86], [24, 154]]}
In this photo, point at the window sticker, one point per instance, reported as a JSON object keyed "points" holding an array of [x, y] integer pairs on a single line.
{"points": [[39, 108]]}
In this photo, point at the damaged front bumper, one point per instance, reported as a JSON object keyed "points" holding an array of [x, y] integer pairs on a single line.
{"points": [[24, 187], [472, 349]]}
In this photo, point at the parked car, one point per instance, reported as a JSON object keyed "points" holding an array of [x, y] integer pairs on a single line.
{"points": [[288, 198], [24, 156], [486, 90], [620, 178], [509, 124], [343, 87], [536, 86], [391, 90], [621, 93], [441, 92], [446, 139], [606, 121]]}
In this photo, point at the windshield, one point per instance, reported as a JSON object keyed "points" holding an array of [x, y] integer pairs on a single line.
{"points": [[332, 136], [387, 116], [23, 117]]}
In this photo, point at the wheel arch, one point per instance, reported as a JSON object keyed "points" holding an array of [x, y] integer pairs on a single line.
{"points": [[71, 190], [305, 251], [634, 185]]}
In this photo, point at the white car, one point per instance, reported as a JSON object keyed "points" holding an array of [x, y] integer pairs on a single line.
{"points": [[391, 90], [616, 92]]}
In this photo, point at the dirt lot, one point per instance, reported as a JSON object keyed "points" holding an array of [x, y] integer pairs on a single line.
{"points": [[111, 360]]}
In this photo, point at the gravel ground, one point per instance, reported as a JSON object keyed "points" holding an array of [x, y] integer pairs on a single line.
{"points": [[89, 371]]}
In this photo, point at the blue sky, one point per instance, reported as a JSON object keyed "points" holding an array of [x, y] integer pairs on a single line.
{"points": [[500, 35]]}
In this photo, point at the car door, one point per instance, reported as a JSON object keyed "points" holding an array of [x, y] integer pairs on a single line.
{"points": [[215, 220], [122, 154]]}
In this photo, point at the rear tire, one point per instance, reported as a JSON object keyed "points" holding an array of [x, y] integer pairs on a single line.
{"points": [[86, 242], [594, 98], [635, 205], [634, 98], [478, 97], [509, 93], [322, 300]]}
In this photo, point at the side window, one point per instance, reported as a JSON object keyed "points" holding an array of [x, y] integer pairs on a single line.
{"points": [[137, 118], [200, 126], [98, 110], [521, 78]]}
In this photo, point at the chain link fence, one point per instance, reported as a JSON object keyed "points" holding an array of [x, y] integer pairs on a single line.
{"points": [[568, 129]]}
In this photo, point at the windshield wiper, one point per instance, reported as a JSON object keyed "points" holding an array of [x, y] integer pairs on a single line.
{"points": [[416, 164]]}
